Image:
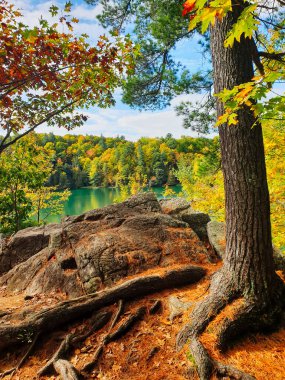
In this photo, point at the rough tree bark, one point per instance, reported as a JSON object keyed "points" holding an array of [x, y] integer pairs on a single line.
{"points": [[248, 269]]}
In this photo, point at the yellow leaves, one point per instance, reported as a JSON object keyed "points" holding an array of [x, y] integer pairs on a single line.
{"points": [[245, 91], [228, 117], [206, 15], [245, 26], [31, 38], [274, 144], [245, 94]]}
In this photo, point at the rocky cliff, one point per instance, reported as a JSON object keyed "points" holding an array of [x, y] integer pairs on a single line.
{"points": [[85, 253]]}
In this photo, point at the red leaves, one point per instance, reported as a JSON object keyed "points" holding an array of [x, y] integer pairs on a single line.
{"points": [[7, 102], [44, 71], [188, 7]]}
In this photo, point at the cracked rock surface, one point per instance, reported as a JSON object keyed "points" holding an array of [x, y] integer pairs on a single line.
{"points": [[181, 209], [85, 253]]}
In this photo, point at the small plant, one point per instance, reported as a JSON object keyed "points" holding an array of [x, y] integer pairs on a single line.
{"points": [[191, 359]]}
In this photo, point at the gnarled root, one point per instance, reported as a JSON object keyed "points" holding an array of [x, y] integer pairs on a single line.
{"points": [[206, 366], [252, 315], [66, 370], [206, 311], [122, 329], [72, 310], [98, 321]]}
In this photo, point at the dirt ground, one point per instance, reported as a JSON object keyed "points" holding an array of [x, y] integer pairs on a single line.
{"points": [[147, 351]]}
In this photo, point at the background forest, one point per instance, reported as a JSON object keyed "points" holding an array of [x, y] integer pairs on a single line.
{"points": [[38, 172]]}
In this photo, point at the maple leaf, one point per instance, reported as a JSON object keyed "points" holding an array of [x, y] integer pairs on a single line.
{"points": [[188, 7]]}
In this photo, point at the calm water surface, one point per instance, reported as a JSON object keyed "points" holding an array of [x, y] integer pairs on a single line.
{"points": [[85, 199]]}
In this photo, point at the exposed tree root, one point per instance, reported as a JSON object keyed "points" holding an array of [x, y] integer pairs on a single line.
{"points": [[122, 329], [249, 316], [12, 371], [206, 310], [253, 316], [70, 310], [155, 307], [126, 325], [61, 351], [207, 367], [66, 370], [118, 314], [100, 348], [70, 340], [98, 321]]}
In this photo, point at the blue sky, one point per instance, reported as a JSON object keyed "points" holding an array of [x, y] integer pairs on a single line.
{"points": [[119, 120]]}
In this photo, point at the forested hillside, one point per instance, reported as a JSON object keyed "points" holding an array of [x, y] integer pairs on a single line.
{"points": [[104, 161], [33, 171]]}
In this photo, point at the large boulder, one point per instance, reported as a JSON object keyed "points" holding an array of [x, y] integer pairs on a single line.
{"points": [[25, 244], [173, 206], [180, 209], [102, 246], [217, 237]]}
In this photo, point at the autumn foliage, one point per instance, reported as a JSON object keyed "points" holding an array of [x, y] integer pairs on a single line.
{"points": [[45, 74], [188, 7], [268, 55]]}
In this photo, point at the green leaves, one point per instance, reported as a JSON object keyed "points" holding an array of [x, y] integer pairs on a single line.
{"points": [[67, 7], [23, 167], [53, 10], [252, 94], [246, 25]]}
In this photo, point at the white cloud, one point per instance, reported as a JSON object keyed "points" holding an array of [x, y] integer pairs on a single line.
{"points": [[32, 11], [86, 13], [133, 124]]}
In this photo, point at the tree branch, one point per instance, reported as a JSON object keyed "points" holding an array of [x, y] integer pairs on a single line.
{"points": [[44, 120], [274, 56]]}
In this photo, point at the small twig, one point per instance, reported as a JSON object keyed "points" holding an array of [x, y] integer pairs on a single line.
{"points": [[21, 362], [118, 314], [101, 319], [121, 330]]}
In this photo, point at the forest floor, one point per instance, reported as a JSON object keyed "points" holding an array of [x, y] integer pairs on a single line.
{"points": [[147, 350]]}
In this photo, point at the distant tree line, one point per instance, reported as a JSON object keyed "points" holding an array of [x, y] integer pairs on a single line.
{"points": [[80, 161], [37, 171]]}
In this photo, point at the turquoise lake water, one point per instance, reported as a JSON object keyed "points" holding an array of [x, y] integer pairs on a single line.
{"points": [[85, 199]]}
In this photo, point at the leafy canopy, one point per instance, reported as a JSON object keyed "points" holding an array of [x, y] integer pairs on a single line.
{"points": [[158, 27], [45, 75], [264, 26], [24, 170]]}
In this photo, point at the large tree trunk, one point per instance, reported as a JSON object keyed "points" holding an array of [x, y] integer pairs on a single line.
{"points": [[249, 255], [248, 269]]}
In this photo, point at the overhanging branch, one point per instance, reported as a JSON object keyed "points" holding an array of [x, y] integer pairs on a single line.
{"points": [[44, 120]]}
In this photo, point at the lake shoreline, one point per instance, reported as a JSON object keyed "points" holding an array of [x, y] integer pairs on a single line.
{"points": [[89, 198]]}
